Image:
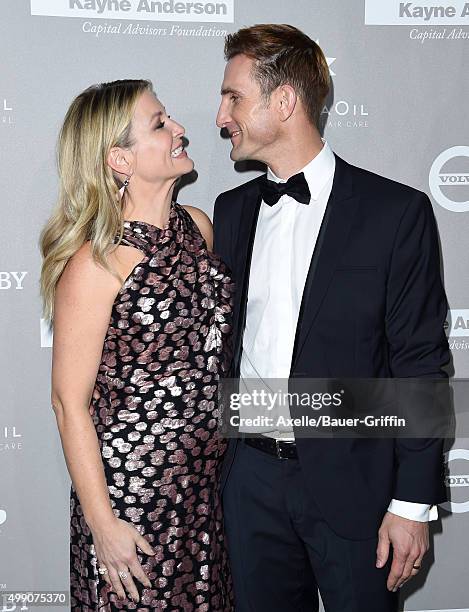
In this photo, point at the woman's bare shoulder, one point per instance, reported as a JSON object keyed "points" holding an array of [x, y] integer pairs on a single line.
{"points": [[83, 276]]}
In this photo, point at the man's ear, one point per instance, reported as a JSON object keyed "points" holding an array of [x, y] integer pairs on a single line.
{"points": [[286, 100], [120, 161]]}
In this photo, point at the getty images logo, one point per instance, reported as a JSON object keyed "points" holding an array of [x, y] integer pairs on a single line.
{"points": [[166, 10], [449, 179]]}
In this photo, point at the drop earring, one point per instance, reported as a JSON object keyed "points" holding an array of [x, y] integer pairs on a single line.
{"points": [[124, 185]]}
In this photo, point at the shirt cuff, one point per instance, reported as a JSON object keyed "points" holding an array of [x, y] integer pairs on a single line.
{"points": [[413, 511]]}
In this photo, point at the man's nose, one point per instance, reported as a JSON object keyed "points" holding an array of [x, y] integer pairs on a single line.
{"points": [[222, 116]]}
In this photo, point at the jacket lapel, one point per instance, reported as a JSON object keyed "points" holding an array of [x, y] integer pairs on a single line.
{"points": [[331, 240], [244, 246]]}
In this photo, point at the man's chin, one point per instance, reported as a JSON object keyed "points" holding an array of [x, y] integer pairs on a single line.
{"points": [[237, 155]]}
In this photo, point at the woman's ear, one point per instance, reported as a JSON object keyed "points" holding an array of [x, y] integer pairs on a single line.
{"points": [[119, 160]]}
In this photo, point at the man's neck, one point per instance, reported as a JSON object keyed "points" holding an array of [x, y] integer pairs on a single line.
{"points": [[294, 156]]}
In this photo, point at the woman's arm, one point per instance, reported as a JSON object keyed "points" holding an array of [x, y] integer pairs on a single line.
{"points": [[83, 302], [84, 297]]}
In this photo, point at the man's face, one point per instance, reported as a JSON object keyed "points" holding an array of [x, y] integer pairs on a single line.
{"points": [[250, 121]]}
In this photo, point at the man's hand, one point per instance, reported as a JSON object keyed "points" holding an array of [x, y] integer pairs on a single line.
{"points": [[410, 541]]}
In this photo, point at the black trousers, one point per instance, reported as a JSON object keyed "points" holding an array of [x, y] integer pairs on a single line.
{"points": [[279, 558]]}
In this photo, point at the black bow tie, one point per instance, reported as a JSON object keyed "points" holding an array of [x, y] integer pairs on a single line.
{"points": [[296, 187]]}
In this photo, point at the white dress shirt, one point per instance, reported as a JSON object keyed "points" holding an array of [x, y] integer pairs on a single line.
{"points": [[285, 238]]}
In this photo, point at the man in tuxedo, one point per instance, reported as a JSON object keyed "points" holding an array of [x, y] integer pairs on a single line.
{"points": [[338, 275]]}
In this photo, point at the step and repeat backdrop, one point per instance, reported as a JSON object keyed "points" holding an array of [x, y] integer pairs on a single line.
{"points": [[398, 107]]}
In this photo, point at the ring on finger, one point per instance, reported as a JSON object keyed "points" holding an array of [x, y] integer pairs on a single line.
{"points": [[416, 567], [123, 574], [102, 570]]}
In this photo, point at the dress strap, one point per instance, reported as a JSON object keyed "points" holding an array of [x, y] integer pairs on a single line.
{"points": [[146, 236], [135, 234]]}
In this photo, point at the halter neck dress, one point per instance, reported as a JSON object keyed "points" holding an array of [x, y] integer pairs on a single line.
{"points": [[155, 411]]}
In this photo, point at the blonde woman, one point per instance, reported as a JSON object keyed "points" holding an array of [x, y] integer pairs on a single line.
{"points": [[141, 313]]}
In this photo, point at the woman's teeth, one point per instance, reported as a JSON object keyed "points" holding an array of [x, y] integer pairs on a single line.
{"points": [[177, 152]]}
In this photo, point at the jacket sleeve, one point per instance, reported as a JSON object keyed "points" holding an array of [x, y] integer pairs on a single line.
{"points": [[416, 309]]}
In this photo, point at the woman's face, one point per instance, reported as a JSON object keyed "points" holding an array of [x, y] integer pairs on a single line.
{"points": [[158, 152]]}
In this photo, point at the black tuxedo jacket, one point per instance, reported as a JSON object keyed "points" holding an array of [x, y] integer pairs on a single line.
{"points": [[373, 306]]}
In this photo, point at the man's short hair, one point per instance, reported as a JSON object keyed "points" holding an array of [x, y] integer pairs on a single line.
{"points": [[282, 55]]}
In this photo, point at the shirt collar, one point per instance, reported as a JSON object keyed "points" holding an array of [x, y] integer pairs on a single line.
{"points": [[317, 172]]}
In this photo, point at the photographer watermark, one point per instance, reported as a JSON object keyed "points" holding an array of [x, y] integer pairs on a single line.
{"points": [[307, 407]]}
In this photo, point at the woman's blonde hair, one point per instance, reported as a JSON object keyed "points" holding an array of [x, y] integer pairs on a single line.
{"points": [[89, 205]]}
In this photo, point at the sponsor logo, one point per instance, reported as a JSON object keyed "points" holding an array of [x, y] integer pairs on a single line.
{"points": [[46, 334], [393, 12], [457, 329], [138, 29], [424, 34], [6, 110], [12, 280], [10, 439], [329, 60], [166, 10], [11, 607], [449, 179], [346, 114], [457, 322], [457, 481]]}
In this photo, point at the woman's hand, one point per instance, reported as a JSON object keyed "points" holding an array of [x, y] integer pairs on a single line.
{"points": [[115, 549]]}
